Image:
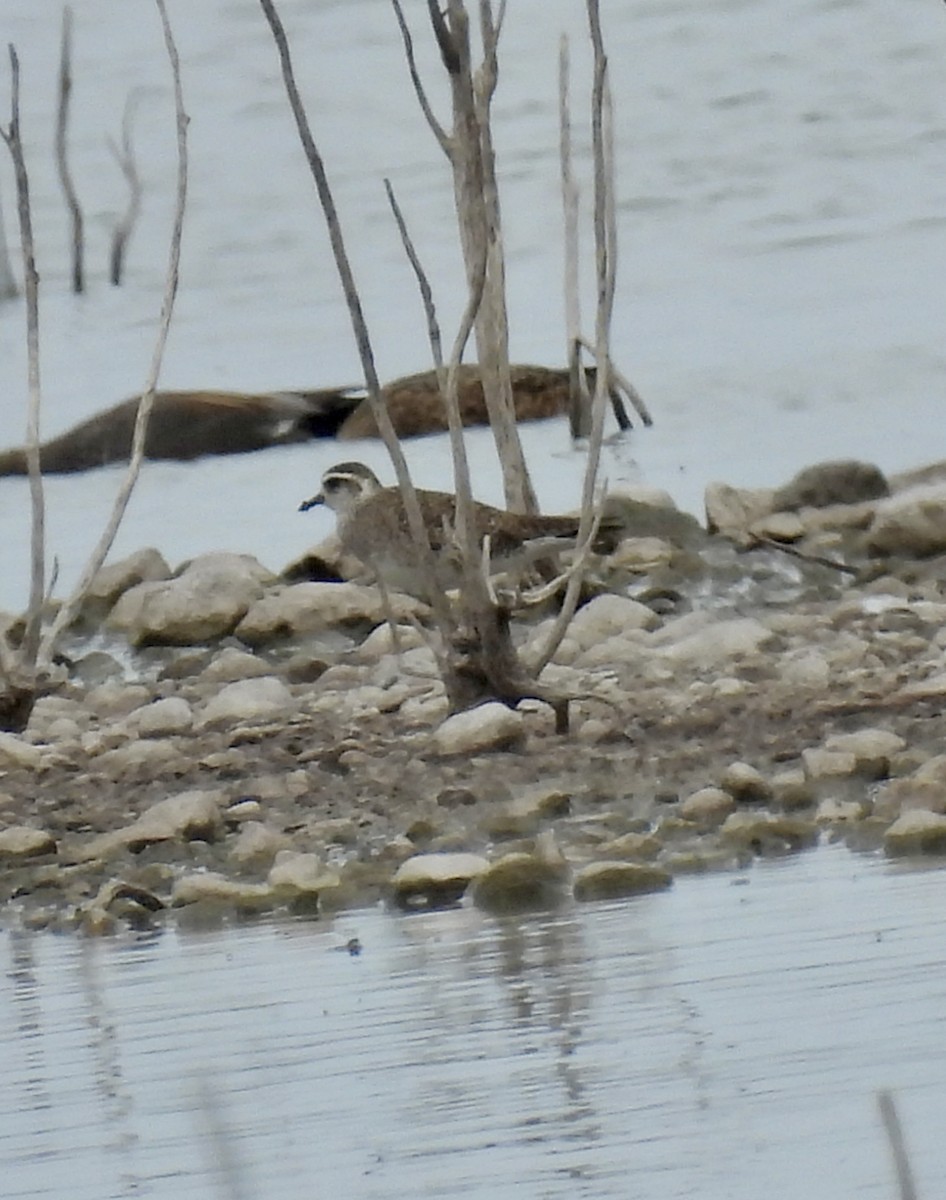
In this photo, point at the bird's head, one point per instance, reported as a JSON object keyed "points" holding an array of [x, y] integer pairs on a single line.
{"points": [[344, 487]]}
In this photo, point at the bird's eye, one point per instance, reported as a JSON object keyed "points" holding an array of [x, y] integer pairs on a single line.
{"points": [[331, 485]]}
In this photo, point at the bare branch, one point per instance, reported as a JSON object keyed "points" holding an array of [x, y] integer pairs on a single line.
{"points": [[579, 402], [14, 143], [68, 610], [605, 258], [359, 325], [62, 163], [616, 377], [446, 39], [898, 1146], [125, 157], [436, 128]]}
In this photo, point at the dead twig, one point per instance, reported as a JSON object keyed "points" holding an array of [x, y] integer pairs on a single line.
{"points": [[626, 386], [62, 162], [898, 1145], [605, 260], [71, 606], [11, 135], [353, 301], [124, 155], [436, 128], [820, 560]]}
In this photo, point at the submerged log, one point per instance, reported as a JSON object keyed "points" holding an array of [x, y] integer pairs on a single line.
{"points": [[187, 425]]}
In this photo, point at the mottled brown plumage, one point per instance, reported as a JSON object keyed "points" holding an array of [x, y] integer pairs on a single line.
{"points": [[372, 525]]}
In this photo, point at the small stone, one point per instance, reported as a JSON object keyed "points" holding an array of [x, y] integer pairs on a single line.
{"points": [[731, 511], [490, 726], [188, 816], [820, 764], [612, 880], [210, 886], [640, 555], [520, 881], [768, 833], [232, 664], [295, 874], [872, 749], [708, 807], [631, 846], [792, 790], [745, 784], [783, 527], [916, 832], [163, 717], [524, 815], [305, 608], [258, 844], [832, 811], [14, 752], [22, 841], [259, 699], [435, 880]]}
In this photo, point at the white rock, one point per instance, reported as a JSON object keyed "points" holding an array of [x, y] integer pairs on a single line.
{"points": [[608, 616], [700, 641], [162, 718], [22, 841], [435, 879], [707, 807], [210, 886], [911, 523], [232, 664], [304, 608], [205, 601], [917, 831], [490, 726], [731, 510], [615, 879], [823, 764], [188, 816], [296, 874], [14, 752], [248, 700], [520, 881]]}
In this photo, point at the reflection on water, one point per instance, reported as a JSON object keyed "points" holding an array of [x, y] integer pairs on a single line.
{"points": [[724, 1039]]}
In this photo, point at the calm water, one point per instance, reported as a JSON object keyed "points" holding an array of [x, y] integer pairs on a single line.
{"points": [[782, 209], [725, 1039], [783, 221]]}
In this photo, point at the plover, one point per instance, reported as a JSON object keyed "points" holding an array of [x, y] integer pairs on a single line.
{"points": [[372, 525]]}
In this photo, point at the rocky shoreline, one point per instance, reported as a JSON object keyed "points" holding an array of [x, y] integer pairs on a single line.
{"points": [[230, 743]]}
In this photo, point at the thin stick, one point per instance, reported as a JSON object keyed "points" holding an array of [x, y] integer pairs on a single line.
{"points": [[125, 157], [625, 385], [579, 417], [605, 257], [68, 610], [898, 1146], [359, 325], [14, 143], [62, 163], [436, 128], [476, 589]]}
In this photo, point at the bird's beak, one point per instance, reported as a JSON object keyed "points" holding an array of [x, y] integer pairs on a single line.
{"points": [[312, 502]]}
